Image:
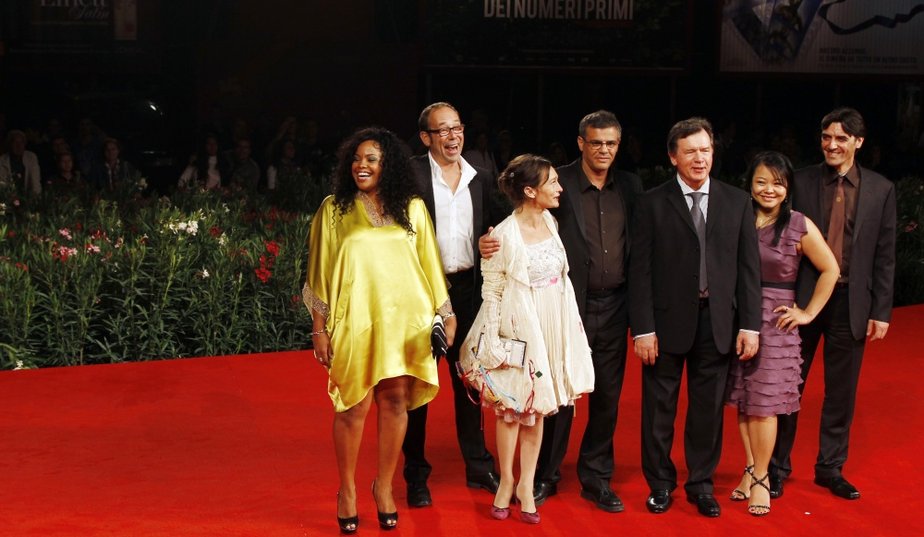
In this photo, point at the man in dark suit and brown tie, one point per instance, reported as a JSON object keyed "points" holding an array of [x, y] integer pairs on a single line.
{"points": [[461, 205], [694, 300], [855, 209]]}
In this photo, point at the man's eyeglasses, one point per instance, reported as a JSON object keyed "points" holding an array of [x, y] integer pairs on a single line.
{"points": [[444, 131], [597, 145]]}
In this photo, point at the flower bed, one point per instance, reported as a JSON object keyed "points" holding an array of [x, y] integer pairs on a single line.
{"points": [[88, 281]]}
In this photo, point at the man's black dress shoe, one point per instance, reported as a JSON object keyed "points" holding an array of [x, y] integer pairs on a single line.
{"points": [[604, 499], [487, 481], [705, 504], [418, 495], [839, 486], [542, 490], [776, 486], [659, 501]]}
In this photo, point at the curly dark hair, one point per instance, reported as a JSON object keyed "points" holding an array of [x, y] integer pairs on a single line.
{"points": [[396, 186]]}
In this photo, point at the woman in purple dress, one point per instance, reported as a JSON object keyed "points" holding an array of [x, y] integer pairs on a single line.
{"points": [[768, 384]]}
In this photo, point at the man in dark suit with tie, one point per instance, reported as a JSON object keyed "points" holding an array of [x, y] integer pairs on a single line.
{"points": [[593, 218], [855, 209], [694, 299], [460, 200]]}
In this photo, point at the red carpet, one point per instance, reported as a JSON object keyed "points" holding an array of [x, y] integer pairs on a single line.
{"points": [[241, 446]]}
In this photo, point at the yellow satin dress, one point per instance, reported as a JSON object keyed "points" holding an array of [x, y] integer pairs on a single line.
{"points": [[380, 288]]}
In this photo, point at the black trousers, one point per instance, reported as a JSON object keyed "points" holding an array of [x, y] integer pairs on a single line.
{"points": [[843, 356], [707, 371], [606, 325], [465, 299]]}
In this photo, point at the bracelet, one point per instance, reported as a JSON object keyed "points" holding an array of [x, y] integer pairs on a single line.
{"points": [[450, 314], [319, 332]]}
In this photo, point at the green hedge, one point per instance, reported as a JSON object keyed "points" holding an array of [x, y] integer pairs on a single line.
{"points": [[86, 280]]}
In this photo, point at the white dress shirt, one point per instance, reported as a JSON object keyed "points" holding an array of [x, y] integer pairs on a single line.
{"points": [[454, 217]]}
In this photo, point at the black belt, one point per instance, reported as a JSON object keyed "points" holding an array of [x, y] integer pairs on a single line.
{"points": [[605, 292], [704, 302], [461, 275]]}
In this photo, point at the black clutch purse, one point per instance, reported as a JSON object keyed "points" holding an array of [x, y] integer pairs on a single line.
{"points": [[438, 343]]}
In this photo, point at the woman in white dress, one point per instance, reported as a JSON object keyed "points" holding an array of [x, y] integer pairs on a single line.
{"points": [[527, 353]]}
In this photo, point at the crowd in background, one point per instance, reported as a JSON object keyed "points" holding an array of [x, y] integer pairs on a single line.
{"points": [[259, 158]]}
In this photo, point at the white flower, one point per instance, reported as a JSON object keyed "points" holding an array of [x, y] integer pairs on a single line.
{"points": [[142, 183], [182, 226], [222, 240], [2, 209], [192, 227], [204, 273], [19, 365]]}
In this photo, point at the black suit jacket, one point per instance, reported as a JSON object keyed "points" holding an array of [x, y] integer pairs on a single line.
{"points": [[664, 267], [570, 216], [486, 210], [872, 258]]}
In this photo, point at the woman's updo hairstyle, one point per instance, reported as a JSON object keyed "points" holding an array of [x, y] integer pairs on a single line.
{"points": [[523, 171]]}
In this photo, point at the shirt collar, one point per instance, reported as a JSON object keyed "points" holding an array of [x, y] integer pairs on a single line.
{"points": [[685, 188], [468, 172], [852, 176], [607, 184]]}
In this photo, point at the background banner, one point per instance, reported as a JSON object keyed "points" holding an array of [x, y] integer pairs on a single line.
{"points": [[823, 36], [618, 34]]}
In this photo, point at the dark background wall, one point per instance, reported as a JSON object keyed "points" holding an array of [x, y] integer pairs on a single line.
{"points": [[347, 63]]}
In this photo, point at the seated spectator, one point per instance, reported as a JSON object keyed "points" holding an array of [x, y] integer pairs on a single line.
{"points": [[19, 168], [557, 154], [66, 176], [88, 146], [480, 155], [287, 132], [206, 169], [285, 166], [114, 173], [245, 173]]}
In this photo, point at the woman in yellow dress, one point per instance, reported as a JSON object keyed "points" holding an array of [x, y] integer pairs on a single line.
{"points": [[375, 281]]}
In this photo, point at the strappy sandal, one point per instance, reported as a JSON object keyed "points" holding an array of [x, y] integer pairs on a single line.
{"points": [[739, 495], [756, 509]]}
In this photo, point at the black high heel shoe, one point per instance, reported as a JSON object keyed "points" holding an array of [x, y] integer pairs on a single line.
{"points": [[387, 521], [348, 525]]}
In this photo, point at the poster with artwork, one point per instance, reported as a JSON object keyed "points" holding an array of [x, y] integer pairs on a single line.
{"points": [[823, 36]]}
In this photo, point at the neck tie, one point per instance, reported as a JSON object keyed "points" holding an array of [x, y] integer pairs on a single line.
{"points": [[837, 221], [699, 223]]}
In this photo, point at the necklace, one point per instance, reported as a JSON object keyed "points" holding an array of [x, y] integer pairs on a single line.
{"points": [[766, 221], [376, 213]]}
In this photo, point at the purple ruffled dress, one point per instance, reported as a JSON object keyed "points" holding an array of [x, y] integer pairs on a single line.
{"points": [[768, 384]]}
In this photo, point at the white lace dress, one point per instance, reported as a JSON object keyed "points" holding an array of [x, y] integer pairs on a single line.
{"points": [[546, 262], [527, 296]]}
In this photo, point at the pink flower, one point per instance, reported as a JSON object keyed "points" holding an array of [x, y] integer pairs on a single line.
{"points": [[66, 233], [92, 249], [63, 253]]}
